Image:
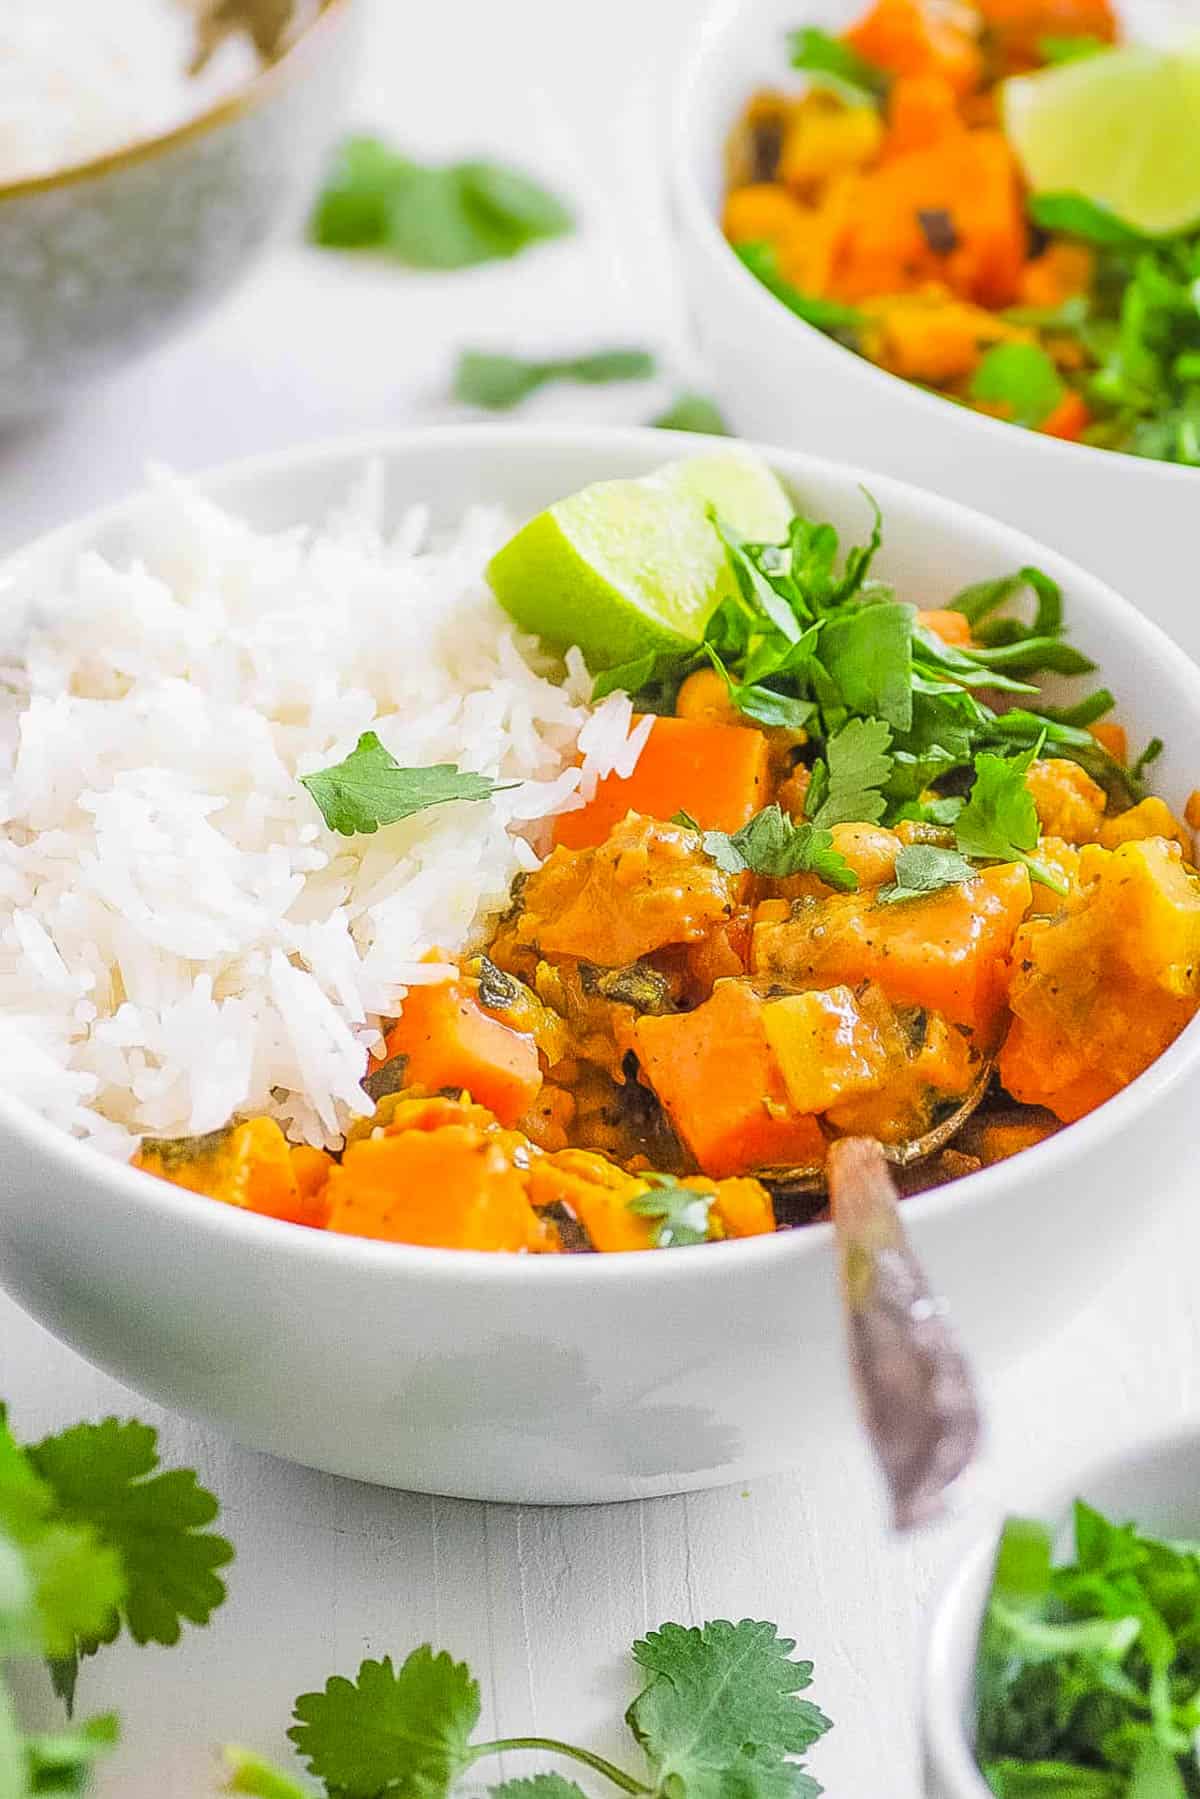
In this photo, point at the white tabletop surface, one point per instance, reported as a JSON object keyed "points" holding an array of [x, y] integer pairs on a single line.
{"points": [[543, 1603]]}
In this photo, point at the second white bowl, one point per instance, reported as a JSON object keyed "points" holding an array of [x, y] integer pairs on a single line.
{"points": [[1154, 1485], [781, 381]]}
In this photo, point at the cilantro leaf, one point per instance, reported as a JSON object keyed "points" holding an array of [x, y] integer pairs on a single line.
{"points": [[1070, 49], [847, 782], [431, 217], [692, 412], [537, 1786], [105, 1477], [58, 1578], [681, 1212], [369, 788], [721, 1713], [828, 59], [1075, 216], [253, 1776], [922, 868], [869, 656], [833, 316], [771, 844], [1022, 380], [497, 382], [978, 602], [64, 1761], [999, 822], [763, 704], [405, 1732], [626, 677]]}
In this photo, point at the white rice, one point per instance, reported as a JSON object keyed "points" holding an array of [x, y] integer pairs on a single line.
{"points": [[181, 938], [79, 78]]}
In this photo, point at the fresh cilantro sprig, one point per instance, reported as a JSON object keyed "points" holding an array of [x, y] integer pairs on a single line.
{"points": [[94, 1537], [846, 786], [431, 217], [999, 822], [106, 1477], [1021, 381], [922, 869], [720, 1713], [1085, 1674], [498, 382], [772, 845], [369, 788]]}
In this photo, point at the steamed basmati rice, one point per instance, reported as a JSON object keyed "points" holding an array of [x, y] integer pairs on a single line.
{"points": [[79, 78], [181, 938]]}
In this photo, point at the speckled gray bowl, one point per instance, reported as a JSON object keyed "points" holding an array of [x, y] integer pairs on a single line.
{"points": [[102, 260]]}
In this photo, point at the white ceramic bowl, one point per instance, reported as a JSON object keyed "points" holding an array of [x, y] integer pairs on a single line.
{"points": [[781, 381], [1155, 1485], [590, 1377]]}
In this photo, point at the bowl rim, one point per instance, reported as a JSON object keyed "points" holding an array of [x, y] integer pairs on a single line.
{"points": [[222, 111], [127, 1188], [718, 26], [945, 1741]]}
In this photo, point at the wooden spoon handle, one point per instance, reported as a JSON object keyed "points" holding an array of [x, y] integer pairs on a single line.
{"points": [[914, 1386]]}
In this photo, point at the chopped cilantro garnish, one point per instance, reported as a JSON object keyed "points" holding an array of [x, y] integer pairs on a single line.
{"points": [[1076, 216], [772, 845], [828, 59], [999, 822], [762, 260], [845, 787], [922, 868], [1020, 380], [1085, 1674], [680, 1213], [1070, 49], [627, 677], [369, 788], [497, 382], [446, 217]]}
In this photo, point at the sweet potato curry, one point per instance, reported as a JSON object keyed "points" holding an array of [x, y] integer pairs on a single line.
{"points": [[889, 205], [862, 880]]}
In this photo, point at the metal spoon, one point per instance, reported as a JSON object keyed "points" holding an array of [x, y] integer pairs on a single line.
{"points": [[914, 1385]]}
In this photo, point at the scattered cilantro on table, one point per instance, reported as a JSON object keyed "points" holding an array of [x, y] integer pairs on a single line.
{"points": [[94, 1537], [693, 412], [497, 382], [719, 1714], [431, 217], [369, 788], [1087, 1674]]}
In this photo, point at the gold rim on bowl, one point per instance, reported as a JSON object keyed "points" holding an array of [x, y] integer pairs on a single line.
{"points": [[221, 112]]}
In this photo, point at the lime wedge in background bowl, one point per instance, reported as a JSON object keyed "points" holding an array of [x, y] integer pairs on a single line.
{"points": [[1122, 128], [627, 569]]}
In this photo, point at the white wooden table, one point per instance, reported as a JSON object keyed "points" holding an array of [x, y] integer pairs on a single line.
{"points": [[544, 1604]]}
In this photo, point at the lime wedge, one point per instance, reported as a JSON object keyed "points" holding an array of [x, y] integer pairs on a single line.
{"points": [[629, 568], [1121, 128]]}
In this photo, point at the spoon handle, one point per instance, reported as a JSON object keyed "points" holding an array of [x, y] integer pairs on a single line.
{"points": [[914, 1386]]}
